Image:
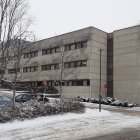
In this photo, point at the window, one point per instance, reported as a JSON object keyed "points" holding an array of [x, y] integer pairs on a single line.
{"points": [[70, 83], [85, 83], [73, 47], [78, 64], [78, 45], [50, 83], [35, 68], [46, 67], [48, 51], [30, 69], [84, 44], [11, 71], [67, 47], [51, 50], [65, 83], [50, 67], [84, 63], [67, 65], [53, 83], [76, 82], [18, 98], [31, 54], [44, 52], [57, 49], [2, 71], [79, 83], [72, 65], [56, 66]]}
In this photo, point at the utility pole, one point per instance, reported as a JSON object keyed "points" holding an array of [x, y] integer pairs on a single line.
{"points": [[100, 97]]}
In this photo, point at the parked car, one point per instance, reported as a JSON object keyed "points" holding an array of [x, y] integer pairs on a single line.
{"points": [[5, 101], [26, 97], [47, 90]]}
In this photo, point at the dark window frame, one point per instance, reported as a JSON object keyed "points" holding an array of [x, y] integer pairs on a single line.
{"points": [[30, 69], [12, 71], [49, 67], [31, 54], [51, 50]]}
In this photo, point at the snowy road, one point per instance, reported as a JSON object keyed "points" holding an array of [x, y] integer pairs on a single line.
{"points": [[68, 127]]}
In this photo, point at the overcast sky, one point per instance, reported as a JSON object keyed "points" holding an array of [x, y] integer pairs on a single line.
{"points": [[54, 17]]}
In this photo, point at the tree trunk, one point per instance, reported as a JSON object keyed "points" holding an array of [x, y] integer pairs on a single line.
{"points": [[14, 93]]}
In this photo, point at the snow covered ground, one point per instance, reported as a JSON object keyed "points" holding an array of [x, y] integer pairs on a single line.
{"points": [[68, 126], [134, 109]]}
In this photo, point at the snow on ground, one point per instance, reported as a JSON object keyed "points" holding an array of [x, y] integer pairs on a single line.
{"points": [[68, 126], [94, 105], [134, 109]]}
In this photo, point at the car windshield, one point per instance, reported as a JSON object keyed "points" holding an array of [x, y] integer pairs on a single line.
{"points": [[4, 99], [19, 97]]}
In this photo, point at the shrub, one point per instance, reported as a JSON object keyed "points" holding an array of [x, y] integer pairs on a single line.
{"points": [[34, 109]]}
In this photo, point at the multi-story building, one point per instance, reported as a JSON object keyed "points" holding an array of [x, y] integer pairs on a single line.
{"points": [[126, 67], [80, 53], [42, 62]]}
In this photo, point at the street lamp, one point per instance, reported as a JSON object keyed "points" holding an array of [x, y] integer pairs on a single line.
{"points": [[100, 50]]}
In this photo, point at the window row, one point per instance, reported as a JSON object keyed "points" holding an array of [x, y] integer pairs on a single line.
{"points": [[79, 82], [50, 50], [75, 64], [68, 47], [31, 54], [11, 71], [73, 82], [30, 69], [74, 46], [50, 67]]}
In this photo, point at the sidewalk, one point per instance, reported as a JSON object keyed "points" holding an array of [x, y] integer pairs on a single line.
{"points": [[125, 134], [124, 110]]}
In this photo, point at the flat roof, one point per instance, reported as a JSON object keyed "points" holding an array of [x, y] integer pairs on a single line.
{"points": [[126, 28]]}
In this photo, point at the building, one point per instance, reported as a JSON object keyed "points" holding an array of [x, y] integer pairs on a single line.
{"points": [[126, 64], [80, 53], [81, 62]]}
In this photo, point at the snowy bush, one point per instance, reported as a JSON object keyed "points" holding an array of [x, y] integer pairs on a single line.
{"points": [[108, 101], [33, 109]]}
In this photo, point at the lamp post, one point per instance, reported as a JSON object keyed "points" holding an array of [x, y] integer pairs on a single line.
{"points": [[100, 50]]}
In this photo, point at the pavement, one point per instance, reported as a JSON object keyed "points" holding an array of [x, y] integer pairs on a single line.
{"points": [[125, 134]]}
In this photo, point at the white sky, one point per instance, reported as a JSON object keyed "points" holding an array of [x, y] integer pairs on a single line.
{"points": [[54, 17]]}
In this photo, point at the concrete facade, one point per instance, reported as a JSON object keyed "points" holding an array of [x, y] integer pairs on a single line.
{"points": [[120, 63], [127, 64], [94, 39]]}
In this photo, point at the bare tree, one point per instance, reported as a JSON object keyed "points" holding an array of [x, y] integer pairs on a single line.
{"points": [[14, 33], [63, 74], [14, 24]]}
